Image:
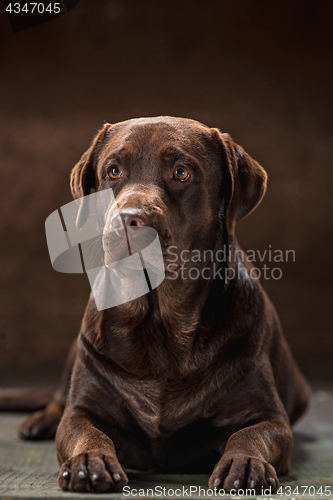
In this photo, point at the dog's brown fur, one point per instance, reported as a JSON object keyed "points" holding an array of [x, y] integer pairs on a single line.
{"points": [[197, 373]]}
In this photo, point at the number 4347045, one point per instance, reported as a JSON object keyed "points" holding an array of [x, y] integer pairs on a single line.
{"points": [[31, 7], [311, 491]]}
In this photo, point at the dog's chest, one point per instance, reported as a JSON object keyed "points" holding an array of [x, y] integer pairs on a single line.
{"points": [[162, 407]]}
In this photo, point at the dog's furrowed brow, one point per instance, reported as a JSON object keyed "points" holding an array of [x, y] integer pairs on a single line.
{"points": [[119, 155], [173, 153]]}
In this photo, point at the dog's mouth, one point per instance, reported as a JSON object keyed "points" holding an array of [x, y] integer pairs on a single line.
{"points": [[131, 250]]}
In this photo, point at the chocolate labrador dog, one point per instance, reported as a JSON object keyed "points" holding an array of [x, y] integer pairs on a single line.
{"points": [[195, 376]]}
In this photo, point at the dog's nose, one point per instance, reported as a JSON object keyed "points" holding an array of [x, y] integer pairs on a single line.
{"points": [[134, 217], [131, 217]]}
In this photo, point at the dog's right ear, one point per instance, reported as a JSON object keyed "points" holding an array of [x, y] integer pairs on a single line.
{"points": [[83, 175]]}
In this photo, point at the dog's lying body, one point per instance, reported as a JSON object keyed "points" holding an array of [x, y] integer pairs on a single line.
{"points": [[196, 373]]}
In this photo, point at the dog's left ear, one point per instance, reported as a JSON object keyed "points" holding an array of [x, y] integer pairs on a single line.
{"points": [[83, 175], [243, 184]]}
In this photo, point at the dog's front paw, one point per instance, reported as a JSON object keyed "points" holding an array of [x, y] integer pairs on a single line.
{"points": [[243, 472], [39, 425], [95, 471]]}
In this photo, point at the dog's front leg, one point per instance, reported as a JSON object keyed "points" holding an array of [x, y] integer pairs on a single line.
{"points": [[87, 457], [254, 456]]}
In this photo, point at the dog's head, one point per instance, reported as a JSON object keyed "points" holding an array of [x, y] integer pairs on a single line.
{"points": [[190, 182]]}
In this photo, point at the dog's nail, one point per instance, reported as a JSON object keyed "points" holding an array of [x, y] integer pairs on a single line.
{"points": [[65, 474], [82, 474], [271, 481], [116, 477], [253, 484], [217, 483], [237, 484], [94, 477]]}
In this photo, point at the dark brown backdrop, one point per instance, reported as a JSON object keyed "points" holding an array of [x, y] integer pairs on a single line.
{"points": [[261, 71]]}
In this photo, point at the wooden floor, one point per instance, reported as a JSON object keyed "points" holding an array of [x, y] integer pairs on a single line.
{"points": [[29, 469]]}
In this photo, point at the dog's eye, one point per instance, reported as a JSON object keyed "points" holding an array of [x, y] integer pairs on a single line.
{"points": [[180, 173], [114, 172]]}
